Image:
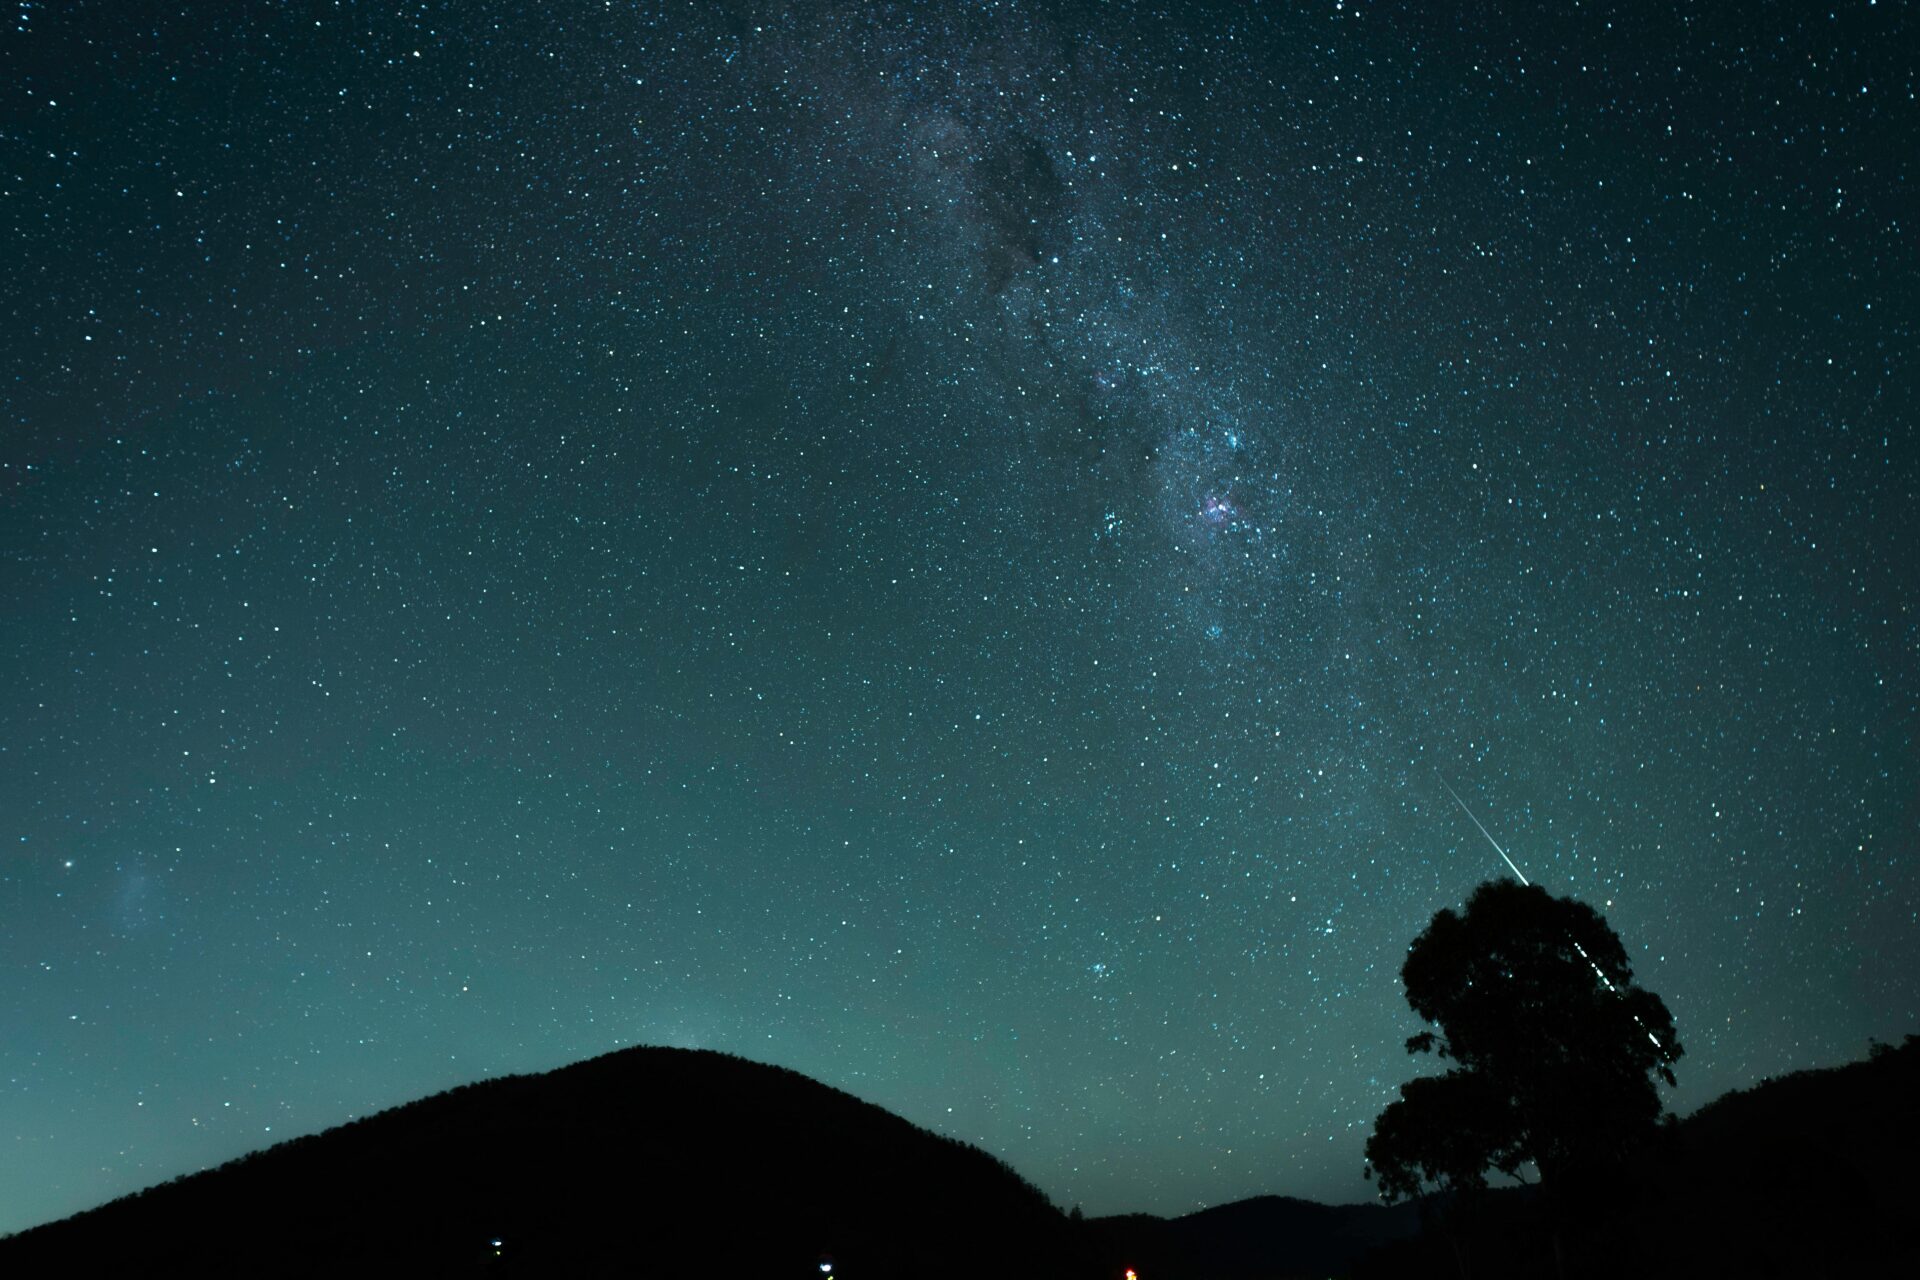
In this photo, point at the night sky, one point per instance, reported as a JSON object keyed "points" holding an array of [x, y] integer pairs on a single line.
{"points": [[948, 547]]}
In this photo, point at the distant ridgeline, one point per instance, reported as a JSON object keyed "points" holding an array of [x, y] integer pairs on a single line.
{"points": [[643, 1162], [677, 1162], [1814, 1173], [1810, 1174]]}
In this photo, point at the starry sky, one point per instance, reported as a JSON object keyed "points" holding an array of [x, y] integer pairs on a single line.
{"points": [[947, 546]]}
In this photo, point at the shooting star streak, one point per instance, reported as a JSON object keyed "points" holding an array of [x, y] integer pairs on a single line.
{"points": [[1598, 972], [1483, 831]]}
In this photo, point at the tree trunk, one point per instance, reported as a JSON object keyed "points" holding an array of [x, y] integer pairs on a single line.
{"points": [[1459, 1255]]}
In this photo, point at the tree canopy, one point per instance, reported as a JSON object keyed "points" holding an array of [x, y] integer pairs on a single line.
{"points": [[1556, 1051]]}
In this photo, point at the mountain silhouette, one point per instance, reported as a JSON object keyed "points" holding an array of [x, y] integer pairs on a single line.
{"points": [[1263, 1238], [1809, 1174], [687, 1162], [644, 1161], [1812, 1173]]}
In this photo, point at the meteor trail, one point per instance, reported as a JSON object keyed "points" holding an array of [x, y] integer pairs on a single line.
{"points": [[1598, 972], [1483, 831]]}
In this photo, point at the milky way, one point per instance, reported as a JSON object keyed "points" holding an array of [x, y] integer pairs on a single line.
{"points": [[946, 547]]}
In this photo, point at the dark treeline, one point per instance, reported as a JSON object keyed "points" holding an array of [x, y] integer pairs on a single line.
{"points": [[1811, 1174], [649, 1161], [664, 1161]]}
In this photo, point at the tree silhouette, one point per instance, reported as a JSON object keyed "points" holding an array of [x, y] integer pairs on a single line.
{"points": [[1556, 1050]]}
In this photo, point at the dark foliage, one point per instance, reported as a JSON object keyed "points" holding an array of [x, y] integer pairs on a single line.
{"points": [[1556, 1051], [1808, 1175], [647, 1161]]}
